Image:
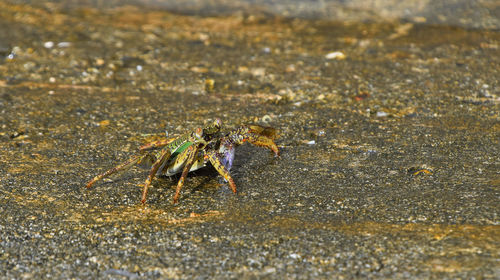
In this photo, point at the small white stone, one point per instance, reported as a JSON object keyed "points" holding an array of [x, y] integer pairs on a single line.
{"points": [[63, 44], [382, 114], [335, 55], [48, 44], [258, 71], [294, 256]]}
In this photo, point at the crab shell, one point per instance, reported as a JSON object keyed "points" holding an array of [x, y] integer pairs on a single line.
{"points": [[226, 150]]}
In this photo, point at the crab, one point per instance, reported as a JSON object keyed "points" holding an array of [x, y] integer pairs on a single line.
{"points": [[193, 151]]}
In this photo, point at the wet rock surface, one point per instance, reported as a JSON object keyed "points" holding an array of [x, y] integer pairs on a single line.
{"points": [[389, 139]]}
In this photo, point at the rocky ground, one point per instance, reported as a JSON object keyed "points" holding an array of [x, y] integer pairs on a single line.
{"points": [[389, 139]]}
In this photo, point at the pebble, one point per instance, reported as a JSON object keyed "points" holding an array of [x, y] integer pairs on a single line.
{"points": [[63, 44], [48, 44], [382, 114], [294, 256], [335, 55], [209, 85], [266, 119], [258, 71], [320, 97]]}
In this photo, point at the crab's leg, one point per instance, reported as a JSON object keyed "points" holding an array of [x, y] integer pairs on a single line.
{"points": [[126, 165], [216, 161], [193, 151], [165, 155], [156, 144]]}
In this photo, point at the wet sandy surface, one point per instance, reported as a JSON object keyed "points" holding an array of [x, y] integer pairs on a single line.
{"points": [[389, 139]]}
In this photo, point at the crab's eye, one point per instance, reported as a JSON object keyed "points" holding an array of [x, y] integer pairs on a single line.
{"points": [[198, 132], [217, 123]]}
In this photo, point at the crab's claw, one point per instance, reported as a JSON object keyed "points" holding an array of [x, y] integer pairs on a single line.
{"points": [[266, 131], [264, 137]]}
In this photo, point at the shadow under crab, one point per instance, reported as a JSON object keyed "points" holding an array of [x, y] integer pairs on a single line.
{"points": [[192, 151]]}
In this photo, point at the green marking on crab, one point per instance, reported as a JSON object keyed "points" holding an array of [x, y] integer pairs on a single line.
{"points": [[180, 149]]}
